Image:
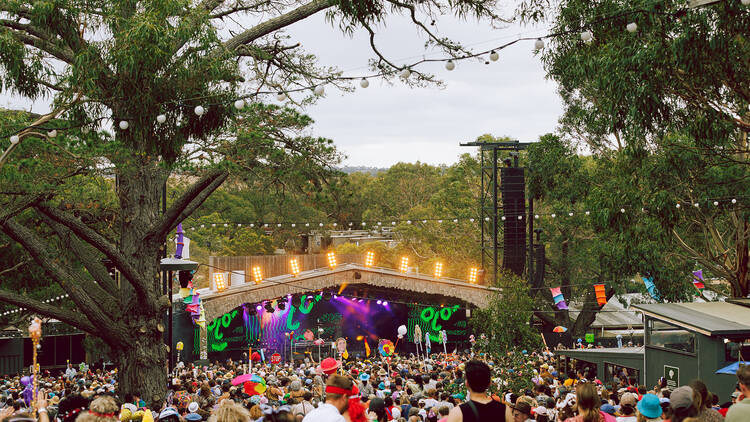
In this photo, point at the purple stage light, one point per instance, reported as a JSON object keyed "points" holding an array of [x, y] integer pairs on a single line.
{"points": [[259, 307], [385, 303], [380, 302], [335, 296]]}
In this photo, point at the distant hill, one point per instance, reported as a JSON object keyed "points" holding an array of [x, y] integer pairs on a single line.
{"points": [[361, 169]]}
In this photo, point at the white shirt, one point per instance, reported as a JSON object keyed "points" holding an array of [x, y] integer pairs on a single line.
{"points": [[627, 419], [429, 403], [325, 412]]}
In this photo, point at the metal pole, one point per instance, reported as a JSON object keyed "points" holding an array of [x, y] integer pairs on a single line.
{"points": [[171, 339], [494, 215], [530, 250], [482, 213]]}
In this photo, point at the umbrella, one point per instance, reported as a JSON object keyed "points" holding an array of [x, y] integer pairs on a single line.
{"points": [[255, 386], [242, 378], [559, 329], [732, 369]]}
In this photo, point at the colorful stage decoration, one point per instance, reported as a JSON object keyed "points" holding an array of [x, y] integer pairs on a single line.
{"points": [[601, 294], [308, 335], [386, 347], [367, 346], [427, 344], [194, 305], [341, 345], [255, 357], [559, 329], [402, 331], [35, 331], [698, 282], [651, 287], [557, 296], [255, 386]]}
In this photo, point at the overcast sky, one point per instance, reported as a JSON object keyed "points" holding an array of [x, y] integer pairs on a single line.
{"points": [[385, 124]]}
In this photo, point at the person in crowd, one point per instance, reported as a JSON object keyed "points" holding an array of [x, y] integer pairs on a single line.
{"points": [[588, 405], [740, 410], [703, 402], [649, 409], [682, 405], [337, 392], [479, 406]]}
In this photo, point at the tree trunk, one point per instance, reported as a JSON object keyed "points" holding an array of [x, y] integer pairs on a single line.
{"points": [[743, 259], [142, 364]]}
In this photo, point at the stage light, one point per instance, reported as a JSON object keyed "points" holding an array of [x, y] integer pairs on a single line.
{"points": [[438, 269], [258, 308], [269, 307], [385, 303], [335, 296], [294, 262], [331, 259], [380, 302], [257, 275], [404, 266], [220, 282], [369, 259], [473, 274]]}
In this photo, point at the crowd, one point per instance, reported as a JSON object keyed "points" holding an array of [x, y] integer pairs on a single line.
{"points": [[442, 389]]}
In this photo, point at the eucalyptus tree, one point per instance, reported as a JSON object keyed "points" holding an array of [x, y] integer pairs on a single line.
{"points": [[140, 90]]}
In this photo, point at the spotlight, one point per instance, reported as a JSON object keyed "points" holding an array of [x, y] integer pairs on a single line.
{"points": [[335, 296], [404, 266], [281, 305], [258, 308], [257, 275], [473, 274], [369, 259], [269, 307], [438, 269], [380, 302], [294, 263], [331, 260], [220, 282], [385, 303]]}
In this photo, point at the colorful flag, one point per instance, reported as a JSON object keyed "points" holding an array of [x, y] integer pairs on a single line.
{"points": [[557, 296], [601, 294], [651, 287], [698, 282]]}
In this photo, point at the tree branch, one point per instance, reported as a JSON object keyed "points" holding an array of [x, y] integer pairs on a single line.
{"points": [[71, 318], [277, 23], [15, 267], [186, 204], [98, 241], [66, 278]]}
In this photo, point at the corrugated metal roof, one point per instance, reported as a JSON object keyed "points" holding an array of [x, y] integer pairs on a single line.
{"points": [[710, 318], [616, 312]]}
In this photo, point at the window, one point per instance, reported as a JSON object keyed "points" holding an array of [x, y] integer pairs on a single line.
{"points": [[668, 336], [612, 370], [736, 349]]}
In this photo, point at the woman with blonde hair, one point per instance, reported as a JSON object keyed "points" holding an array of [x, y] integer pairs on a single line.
{"points": [[229, 411], [102, 409], [587, 403]]}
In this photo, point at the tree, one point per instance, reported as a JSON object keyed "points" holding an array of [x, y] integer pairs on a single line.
{"points": [[166, 77]]}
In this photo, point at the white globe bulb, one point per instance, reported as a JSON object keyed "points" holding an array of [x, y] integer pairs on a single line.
{"points": [[161, 118], [85, 130], [14, 139], [632, 27], [539, 44], [52, 133], [716, 203], [239, 104], [734, 201], [124, 125], [199, 110], [622, 210], [405, 73], [586, 36], [281, 96], [678, 205], [449, 65], [364, 83], [320, 90], [494, 56]]}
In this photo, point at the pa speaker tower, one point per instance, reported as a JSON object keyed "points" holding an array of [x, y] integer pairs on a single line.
{"points": [[512, 187]]}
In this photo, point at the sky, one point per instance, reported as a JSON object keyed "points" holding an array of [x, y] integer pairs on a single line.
{"points": [[389, 123]]}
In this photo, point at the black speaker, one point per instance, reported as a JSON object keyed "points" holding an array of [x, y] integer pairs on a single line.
{"points": [[513, 188]]}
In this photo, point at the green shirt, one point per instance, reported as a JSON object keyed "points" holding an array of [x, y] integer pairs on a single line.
{"points": [[739, 412]]}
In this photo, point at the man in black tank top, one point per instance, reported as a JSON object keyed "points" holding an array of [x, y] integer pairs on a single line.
{"points": [[479, 407]]}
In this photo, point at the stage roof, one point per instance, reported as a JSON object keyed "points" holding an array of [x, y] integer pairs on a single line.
{"points": [[709, 318]]}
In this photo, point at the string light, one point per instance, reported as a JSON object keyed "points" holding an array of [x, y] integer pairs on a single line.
{"points": [[161, 118], [239, 104], [52, 133], [587, 36], [405, 73], [538, 44], [632, 27], [15, 139], [199, 110], [364, 83], [449, 65], [319, 90], [494, 56], [281, 96], [124, 125]]}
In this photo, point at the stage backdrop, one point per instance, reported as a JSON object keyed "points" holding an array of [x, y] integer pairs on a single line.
{"points": [[234, 332]]}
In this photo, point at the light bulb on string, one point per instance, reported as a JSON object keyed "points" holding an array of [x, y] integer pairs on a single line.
{"points": [[161, 118], [678, 205], [734, 201], [319, 90], [15, 139], [124, 125], [696, 205], [536, 216], [553, 215], [632, 27], [716, 203], [587, 36], [538, 44], [449, 65], [199, 111], [405, 73], [520, 217], [281, 96], [52, 133], [587, 212], [239, 104], [364, 83], [502, 218], [494, 56], [570, 214], [622, 210]]}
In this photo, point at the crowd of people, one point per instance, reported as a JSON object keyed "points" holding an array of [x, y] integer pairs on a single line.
{"points": [[441, 389]]}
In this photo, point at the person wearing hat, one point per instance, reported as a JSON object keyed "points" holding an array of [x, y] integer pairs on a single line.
{"points": [[193, 416], [681, 403], [628, 402], [480, 406], [740, 411], [521, 411], [650, 407]]}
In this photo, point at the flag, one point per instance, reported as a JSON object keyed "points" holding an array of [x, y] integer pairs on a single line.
{"points": [[651, 287], [557, 296], [698, 282], [601, 294], [427, 344], [367, 349]]}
